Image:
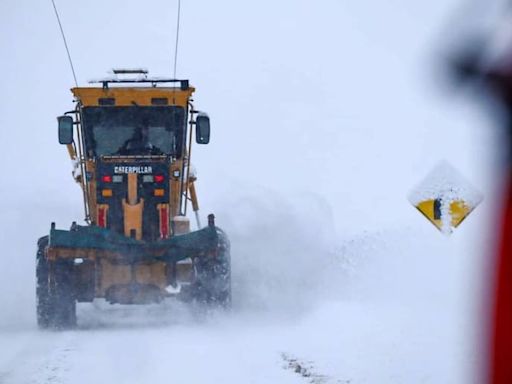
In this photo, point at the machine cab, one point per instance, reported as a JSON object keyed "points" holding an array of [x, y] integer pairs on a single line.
{"points": [[130, 139]]}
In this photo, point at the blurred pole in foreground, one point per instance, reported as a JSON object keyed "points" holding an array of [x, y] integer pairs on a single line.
{"points": [[477, 63], [501, 348]]}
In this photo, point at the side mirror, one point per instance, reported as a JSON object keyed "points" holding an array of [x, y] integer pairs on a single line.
{"points": [[202, 128], [65, 129]]}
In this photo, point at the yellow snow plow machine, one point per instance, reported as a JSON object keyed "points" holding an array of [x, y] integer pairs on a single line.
{"points": [[130, 140]]}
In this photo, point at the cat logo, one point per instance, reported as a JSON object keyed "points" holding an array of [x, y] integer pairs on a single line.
{"points": [[133, 169]]}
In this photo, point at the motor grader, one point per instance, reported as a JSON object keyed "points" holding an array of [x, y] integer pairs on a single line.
{"points": [[130, 140]]}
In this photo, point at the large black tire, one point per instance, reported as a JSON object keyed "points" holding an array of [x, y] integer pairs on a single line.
{"points": [[213, 277], [56, 304], [42, 292]]}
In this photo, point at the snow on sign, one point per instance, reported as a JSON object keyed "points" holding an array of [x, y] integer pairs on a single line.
{"points": [[445, 198]]}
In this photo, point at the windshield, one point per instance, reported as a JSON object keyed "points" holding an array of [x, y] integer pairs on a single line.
{"points": [[133, 130]]}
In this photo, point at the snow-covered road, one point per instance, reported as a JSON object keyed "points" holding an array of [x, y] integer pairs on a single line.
{"points": [[338, 343], [366, 323]]}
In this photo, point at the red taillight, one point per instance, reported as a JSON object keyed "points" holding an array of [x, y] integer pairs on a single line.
{"points": [[164, 221], [159, 178], [102, 217], [106, 179]]}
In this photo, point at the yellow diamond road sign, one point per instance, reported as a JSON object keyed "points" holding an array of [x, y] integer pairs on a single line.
{"points": [[445, 198]]}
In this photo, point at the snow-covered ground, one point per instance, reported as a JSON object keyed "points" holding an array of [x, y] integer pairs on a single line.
{"points": [[341, 342], [325, 115], [382, 307]]}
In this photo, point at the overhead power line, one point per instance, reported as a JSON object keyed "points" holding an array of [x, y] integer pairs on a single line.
{"points": [[65, 43], [177, 38]]}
